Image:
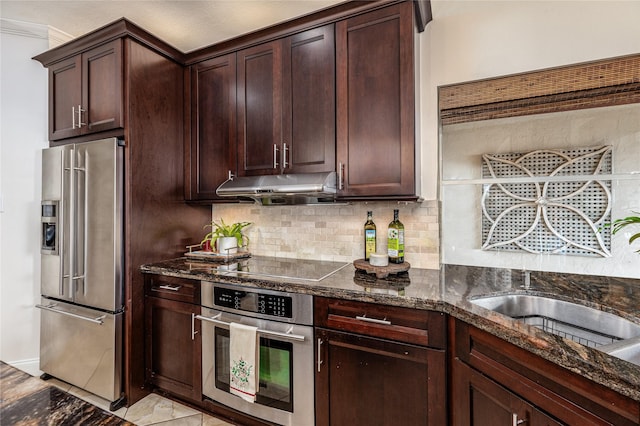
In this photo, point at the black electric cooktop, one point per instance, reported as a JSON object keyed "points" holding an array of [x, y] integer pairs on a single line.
{"points": [[278, 267]]}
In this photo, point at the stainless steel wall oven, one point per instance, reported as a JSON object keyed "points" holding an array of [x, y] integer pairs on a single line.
{"points": [[285, 328]]}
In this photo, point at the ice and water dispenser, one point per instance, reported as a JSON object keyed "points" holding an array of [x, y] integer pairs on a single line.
{"points": [[49, 232]]}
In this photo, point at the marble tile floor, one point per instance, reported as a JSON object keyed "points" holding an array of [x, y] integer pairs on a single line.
{"points": [[26, 400]]}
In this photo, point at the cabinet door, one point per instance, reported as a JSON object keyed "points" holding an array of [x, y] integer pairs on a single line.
{"points": [[309, 137], [479, 401], [363, 381], [212, 148], [260, 109], [567, 396], [375, 111], [102, 76], [173, 356], [85, 92], [65, 96]]}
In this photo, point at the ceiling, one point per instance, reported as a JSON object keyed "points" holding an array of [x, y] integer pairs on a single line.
{"points": [[185, 24]]}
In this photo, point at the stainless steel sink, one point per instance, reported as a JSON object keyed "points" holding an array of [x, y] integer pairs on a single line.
{"points": [[588, 326]]}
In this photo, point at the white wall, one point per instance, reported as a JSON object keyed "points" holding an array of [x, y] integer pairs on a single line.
{"points": [[23, 114], [471, 40]]}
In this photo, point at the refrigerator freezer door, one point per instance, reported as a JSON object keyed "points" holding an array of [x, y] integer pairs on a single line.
{"points": [[97, 262], [82, 347]]}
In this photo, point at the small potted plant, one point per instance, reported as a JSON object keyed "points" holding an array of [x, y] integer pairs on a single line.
{"points": [[618, 224], [225, 237]]}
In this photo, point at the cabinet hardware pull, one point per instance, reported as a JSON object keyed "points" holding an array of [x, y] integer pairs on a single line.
{"points": [[285, 149], [515, 421], [224, 324], [73, 117], [377, 321], [340, 176], [97, 320], [167, 287], [80, 111], [193, 327], [275, 156], [319, 353]]}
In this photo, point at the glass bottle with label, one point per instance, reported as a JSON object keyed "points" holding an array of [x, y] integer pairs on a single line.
{"points": [[369, 236], [395, 240]]}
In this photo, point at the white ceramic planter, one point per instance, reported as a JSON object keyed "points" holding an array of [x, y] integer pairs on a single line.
{"points": [[227, 245]]}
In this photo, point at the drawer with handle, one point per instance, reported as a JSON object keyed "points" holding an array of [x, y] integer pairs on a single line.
{"points": [[418, 327], [173, 288]]}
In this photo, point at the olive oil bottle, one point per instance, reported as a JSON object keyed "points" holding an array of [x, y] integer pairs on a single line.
{"points": [[395, 240], [369, 236]]}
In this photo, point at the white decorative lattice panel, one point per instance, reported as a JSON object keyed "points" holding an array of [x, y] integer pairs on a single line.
{"points": [[556, 203]]}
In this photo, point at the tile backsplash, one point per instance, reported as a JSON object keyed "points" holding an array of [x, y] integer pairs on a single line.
{"points": [[335, 232]]}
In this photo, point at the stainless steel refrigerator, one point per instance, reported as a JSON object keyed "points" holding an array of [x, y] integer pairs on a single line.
{"points": [[82, 305]]}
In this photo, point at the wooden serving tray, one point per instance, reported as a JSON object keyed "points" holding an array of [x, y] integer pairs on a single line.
{"points": [[213, 256], [381, 271]]}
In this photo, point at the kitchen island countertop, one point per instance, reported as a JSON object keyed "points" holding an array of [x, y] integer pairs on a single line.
{"points": [[450, 290]]}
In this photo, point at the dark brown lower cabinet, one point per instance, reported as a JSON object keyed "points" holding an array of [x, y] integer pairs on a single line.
{"points": [[496, 383], [173, 357], [482, 402], [379, 365], [367, 381]]}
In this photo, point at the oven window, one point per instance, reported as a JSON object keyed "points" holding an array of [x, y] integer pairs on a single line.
{"points": [[276, 370]]}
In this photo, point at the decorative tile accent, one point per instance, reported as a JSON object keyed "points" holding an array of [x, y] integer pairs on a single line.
{"points": [[548, 201]]}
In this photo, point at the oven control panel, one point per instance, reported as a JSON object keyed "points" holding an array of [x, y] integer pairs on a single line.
{"points": [[266, 304]]}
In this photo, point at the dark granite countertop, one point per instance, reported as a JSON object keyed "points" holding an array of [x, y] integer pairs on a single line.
{"points": [[450, 290]]}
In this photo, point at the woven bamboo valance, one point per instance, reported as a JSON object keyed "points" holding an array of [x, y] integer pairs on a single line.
{"points": [[607, 82]]}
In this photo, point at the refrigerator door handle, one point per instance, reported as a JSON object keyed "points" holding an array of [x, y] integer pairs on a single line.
{"points": [[80, 224], [97, 320], [69, 235], [62, 206]]}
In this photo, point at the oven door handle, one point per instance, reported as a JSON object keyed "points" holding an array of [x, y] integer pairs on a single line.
{"points": [[224, 324]]}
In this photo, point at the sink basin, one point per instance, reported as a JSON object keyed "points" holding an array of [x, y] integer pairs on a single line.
{"points": [[627, 349], [588, 326]]}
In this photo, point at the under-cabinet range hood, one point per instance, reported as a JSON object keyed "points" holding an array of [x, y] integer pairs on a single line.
{"points": [[272, 190]]}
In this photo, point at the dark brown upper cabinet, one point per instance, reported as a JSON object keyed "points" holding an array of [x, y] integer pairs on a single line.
{"points": [[286, 105], [376, 104], [211, 147], [86, 92]]}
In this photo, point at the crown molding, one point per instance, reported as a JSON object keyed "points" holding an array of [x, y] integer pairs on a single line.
{"points": [[23, 29], [57, 37], [32, 30]]}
